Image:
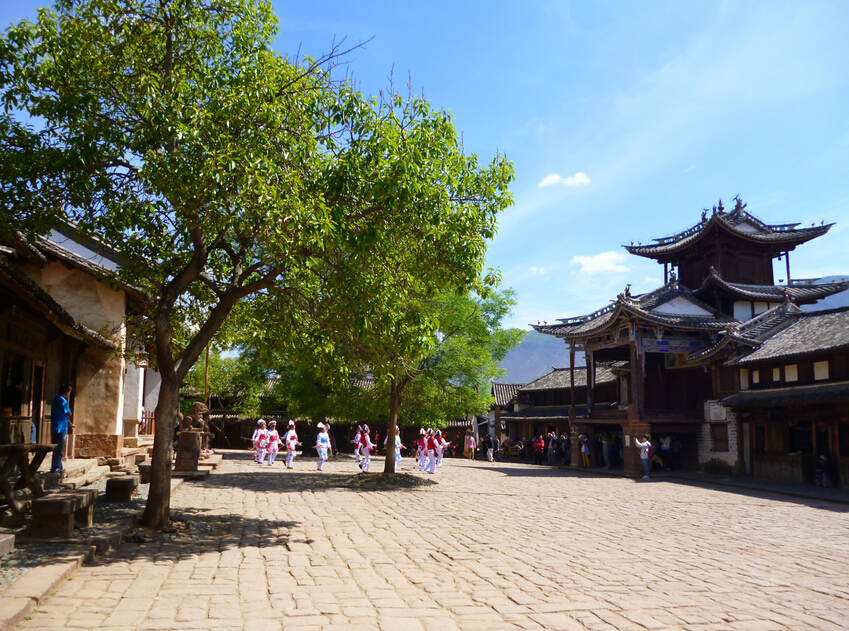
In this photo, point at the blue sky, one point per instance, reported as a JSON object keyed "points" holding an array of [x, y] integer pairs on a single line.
{"points": [[637, 116]]}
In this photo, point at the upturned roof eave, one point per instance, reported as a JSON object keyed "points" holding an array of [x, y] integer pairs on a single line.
{"points": [[663, 250]]}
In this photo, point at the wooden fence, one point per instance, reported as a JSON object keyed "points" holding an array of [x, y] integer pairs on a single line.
{"points": [[148, 424]]}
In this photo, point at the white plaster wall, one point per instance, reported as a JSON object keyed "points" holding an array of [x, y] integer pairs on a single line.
{"points": [[742, 310], [152, 383], [681, 306], [133, 392]]}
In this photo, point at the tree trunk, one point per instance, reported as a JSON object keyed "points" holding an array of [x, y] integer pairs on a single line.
{"points": [[394, 398], [157, 511]]}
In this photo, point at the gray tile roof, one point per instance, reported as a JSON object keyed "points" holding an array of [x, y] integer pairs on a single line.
{"points": [[732, 222], [800, 334], [640, 307], [560, 378], [805, 292], [817, 393], [547, 413], [53, 311], [504, 392]]}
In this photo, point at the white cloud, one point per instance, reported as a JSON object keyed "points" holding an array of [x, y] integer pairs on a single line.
{"points": [[579, 179], [690, 168], [537, 270], [602, 262]]}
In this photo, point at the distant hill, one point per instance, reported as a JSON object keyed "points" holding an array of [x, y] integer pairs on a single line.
{"points": [[832, 302], [535, 356]]}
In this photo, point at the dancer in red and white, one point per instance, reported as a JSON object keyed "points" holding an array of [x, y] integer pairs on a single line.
{"points": [[290, 439], [441, 446], [273, 442], [257, 440], [421, 446], [356, 442], [430, 451], [365, 448]]}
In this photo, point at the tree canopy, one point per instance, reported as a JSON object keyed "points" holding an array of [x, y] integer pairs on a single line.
{"points": [[233, 180]]}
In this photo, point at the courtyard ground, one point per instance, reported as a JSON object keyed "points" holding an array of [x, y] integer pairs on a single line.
{"points": [[490, 547]]}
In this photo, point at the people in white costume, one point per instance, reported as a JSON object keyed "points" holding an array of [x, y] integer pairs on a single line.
{"points": [[322, 445]]}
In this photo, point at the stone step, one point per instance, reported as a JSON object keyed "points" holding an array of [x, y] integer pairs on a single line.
{"points": [[93, 476]]}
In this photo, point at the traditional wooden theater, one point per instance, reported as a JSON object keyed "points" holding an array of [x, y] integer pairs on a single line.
{"points": [[720, 361]]}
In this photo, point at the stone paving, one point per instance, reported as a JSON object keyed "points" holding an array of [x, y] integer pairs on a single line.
{"points": [[491, 547]]}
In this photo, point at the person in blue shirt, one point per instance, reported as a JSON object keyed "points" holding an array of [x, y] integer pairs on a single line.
{"points": [[60, 424]]}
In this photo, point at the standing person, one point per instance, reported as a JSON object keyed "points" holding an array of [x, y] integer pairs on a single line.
{"points": [[257, 438], [567, 450], [441, 446], [539, 449], [398, 447], [430, 452], [605, 449], [356, 443], [365, 448], [291, 441], [585, 451], [666, 451], [471, 445], [322, 445], [60, 425], [273, 441], [496, 449], [552, 448], [420, 449], [487, 443], [645, 447]]}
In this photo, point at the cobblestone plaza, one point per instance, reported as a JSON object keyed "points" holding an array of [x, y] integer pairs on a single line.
{"points": [[490, 547]]}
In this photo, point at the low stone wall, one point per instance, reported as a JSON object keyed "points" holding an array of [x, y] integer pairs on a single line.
{"points": [[98, 445]]}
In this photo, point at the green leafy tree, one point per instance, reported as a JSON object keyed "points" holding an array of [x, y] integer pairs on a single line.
{"points": [[232, 179]]}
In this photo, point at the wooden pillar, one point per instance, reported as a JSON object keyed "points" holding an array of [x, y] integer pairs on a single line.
{"points": [[665, 273], [590, 382], [787, 262], [571, 383]]}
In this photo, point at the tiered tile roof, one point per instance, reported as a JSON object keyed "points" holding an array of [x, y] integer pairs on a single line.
{"points": [[738, 222], [641, 307], [801, 292]]}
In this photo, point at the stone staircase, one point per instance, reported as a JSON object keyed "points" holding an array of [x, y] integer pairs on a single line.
{"points": [[78, 473]]}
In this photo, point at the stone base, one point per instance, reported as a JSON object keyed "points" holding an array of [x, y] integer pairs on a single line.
{"points": [[7, 544], [98, 445], [144, 471], [121, 488], [53, 515]]}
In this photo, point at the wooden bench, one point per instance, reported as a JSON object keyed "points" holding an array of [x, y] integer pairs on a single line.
{"points": [[53, 515], [18, 457]]}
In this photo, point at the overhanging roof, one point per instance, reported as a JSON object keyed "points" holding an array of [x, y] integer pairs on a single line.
{"points": [[817, 393], [40, 300]]}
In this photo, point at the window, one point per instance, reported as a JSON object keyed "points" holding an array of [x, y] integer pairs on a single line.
{"points": [[776, 375], [791, 372], [719, 437], [756, 376], [744, 379], [820, 370]]}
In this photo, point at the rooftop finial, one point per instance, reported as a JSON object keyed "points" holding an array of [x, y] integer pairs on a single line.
{"points": [[738, 208], [720, 206]]}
